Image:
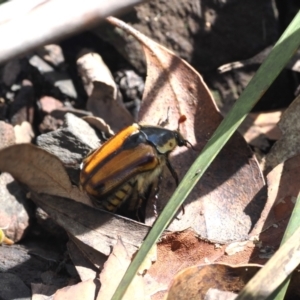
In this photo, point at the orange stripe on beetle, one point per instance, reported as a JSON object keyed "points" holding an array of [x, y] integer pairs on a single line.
{"points": [[119, 169], [109, 147], [135, 155]]}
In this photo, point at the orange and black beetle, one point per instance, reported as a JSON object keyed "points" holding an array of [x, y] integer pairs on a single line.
{"points": [[127, 164]]}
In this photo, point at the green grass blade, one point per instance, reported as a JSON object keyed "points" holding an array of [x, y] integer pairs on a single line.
{"points": [[293, 225], [275, 271], [269, 70]]}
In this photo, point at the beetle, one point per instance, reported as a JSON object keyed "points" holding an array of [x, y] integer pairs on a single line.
{"points": [[127, 164]]}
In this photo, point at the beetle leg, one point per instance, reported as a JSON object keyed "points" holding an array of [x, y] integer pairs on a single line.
{"points": [[182, 209], [141, 200], [155, 197], [175, 176], [173, 172]]}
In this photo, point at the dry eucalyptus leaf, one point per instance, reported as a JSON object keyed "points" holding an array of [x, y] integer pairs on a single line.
{"points": [[235, 247], [41, 171], [112, 273], [91, 68], [102, 91], [176, 251], [83, 290], [85, 269], [283, 189], [102, 105], [242, 254], [282, 264], [60, 113], [94, 256], [194, 282], [227, 201], [99, 124], [259, 128], [289, 144], [95, 228]]}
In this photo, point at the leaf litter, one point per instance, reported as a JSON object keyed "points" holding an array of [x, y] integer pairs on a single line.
{"points": [[233, 189], [223, 208]]}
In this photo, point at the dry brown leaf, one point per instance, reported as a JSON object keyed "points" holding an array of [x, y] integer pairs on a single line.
{"points": [[259, 128], [99, 124], [179, 250], [85, 269], [41, 171], [283, 263], [91, 68], [194, 282], [95, 228], [227, 202], [283, 189], [102, 91], [176, 251], [113, 271], [83, 290], [247, 253], [101, 105], [91, 254], [289, 144]]}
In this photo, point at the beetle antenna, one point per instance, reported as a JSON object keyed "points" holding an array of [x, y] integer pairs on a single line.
{"points": [[188, 143]]}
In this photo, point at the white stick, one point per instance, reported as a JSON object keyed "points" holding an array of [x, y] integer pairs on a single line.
{"points": [[25, 27]]}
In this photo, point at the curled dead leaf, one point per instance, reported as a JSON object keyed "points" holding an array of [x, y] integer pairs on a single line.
{"points": [[113, 271], [176, 251], [194, 282], [85, 269], [82, 290], [103, 93], [288, 145], [283, 189], [99, 124], [96, 228], [226, 203], [41, 171]]}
